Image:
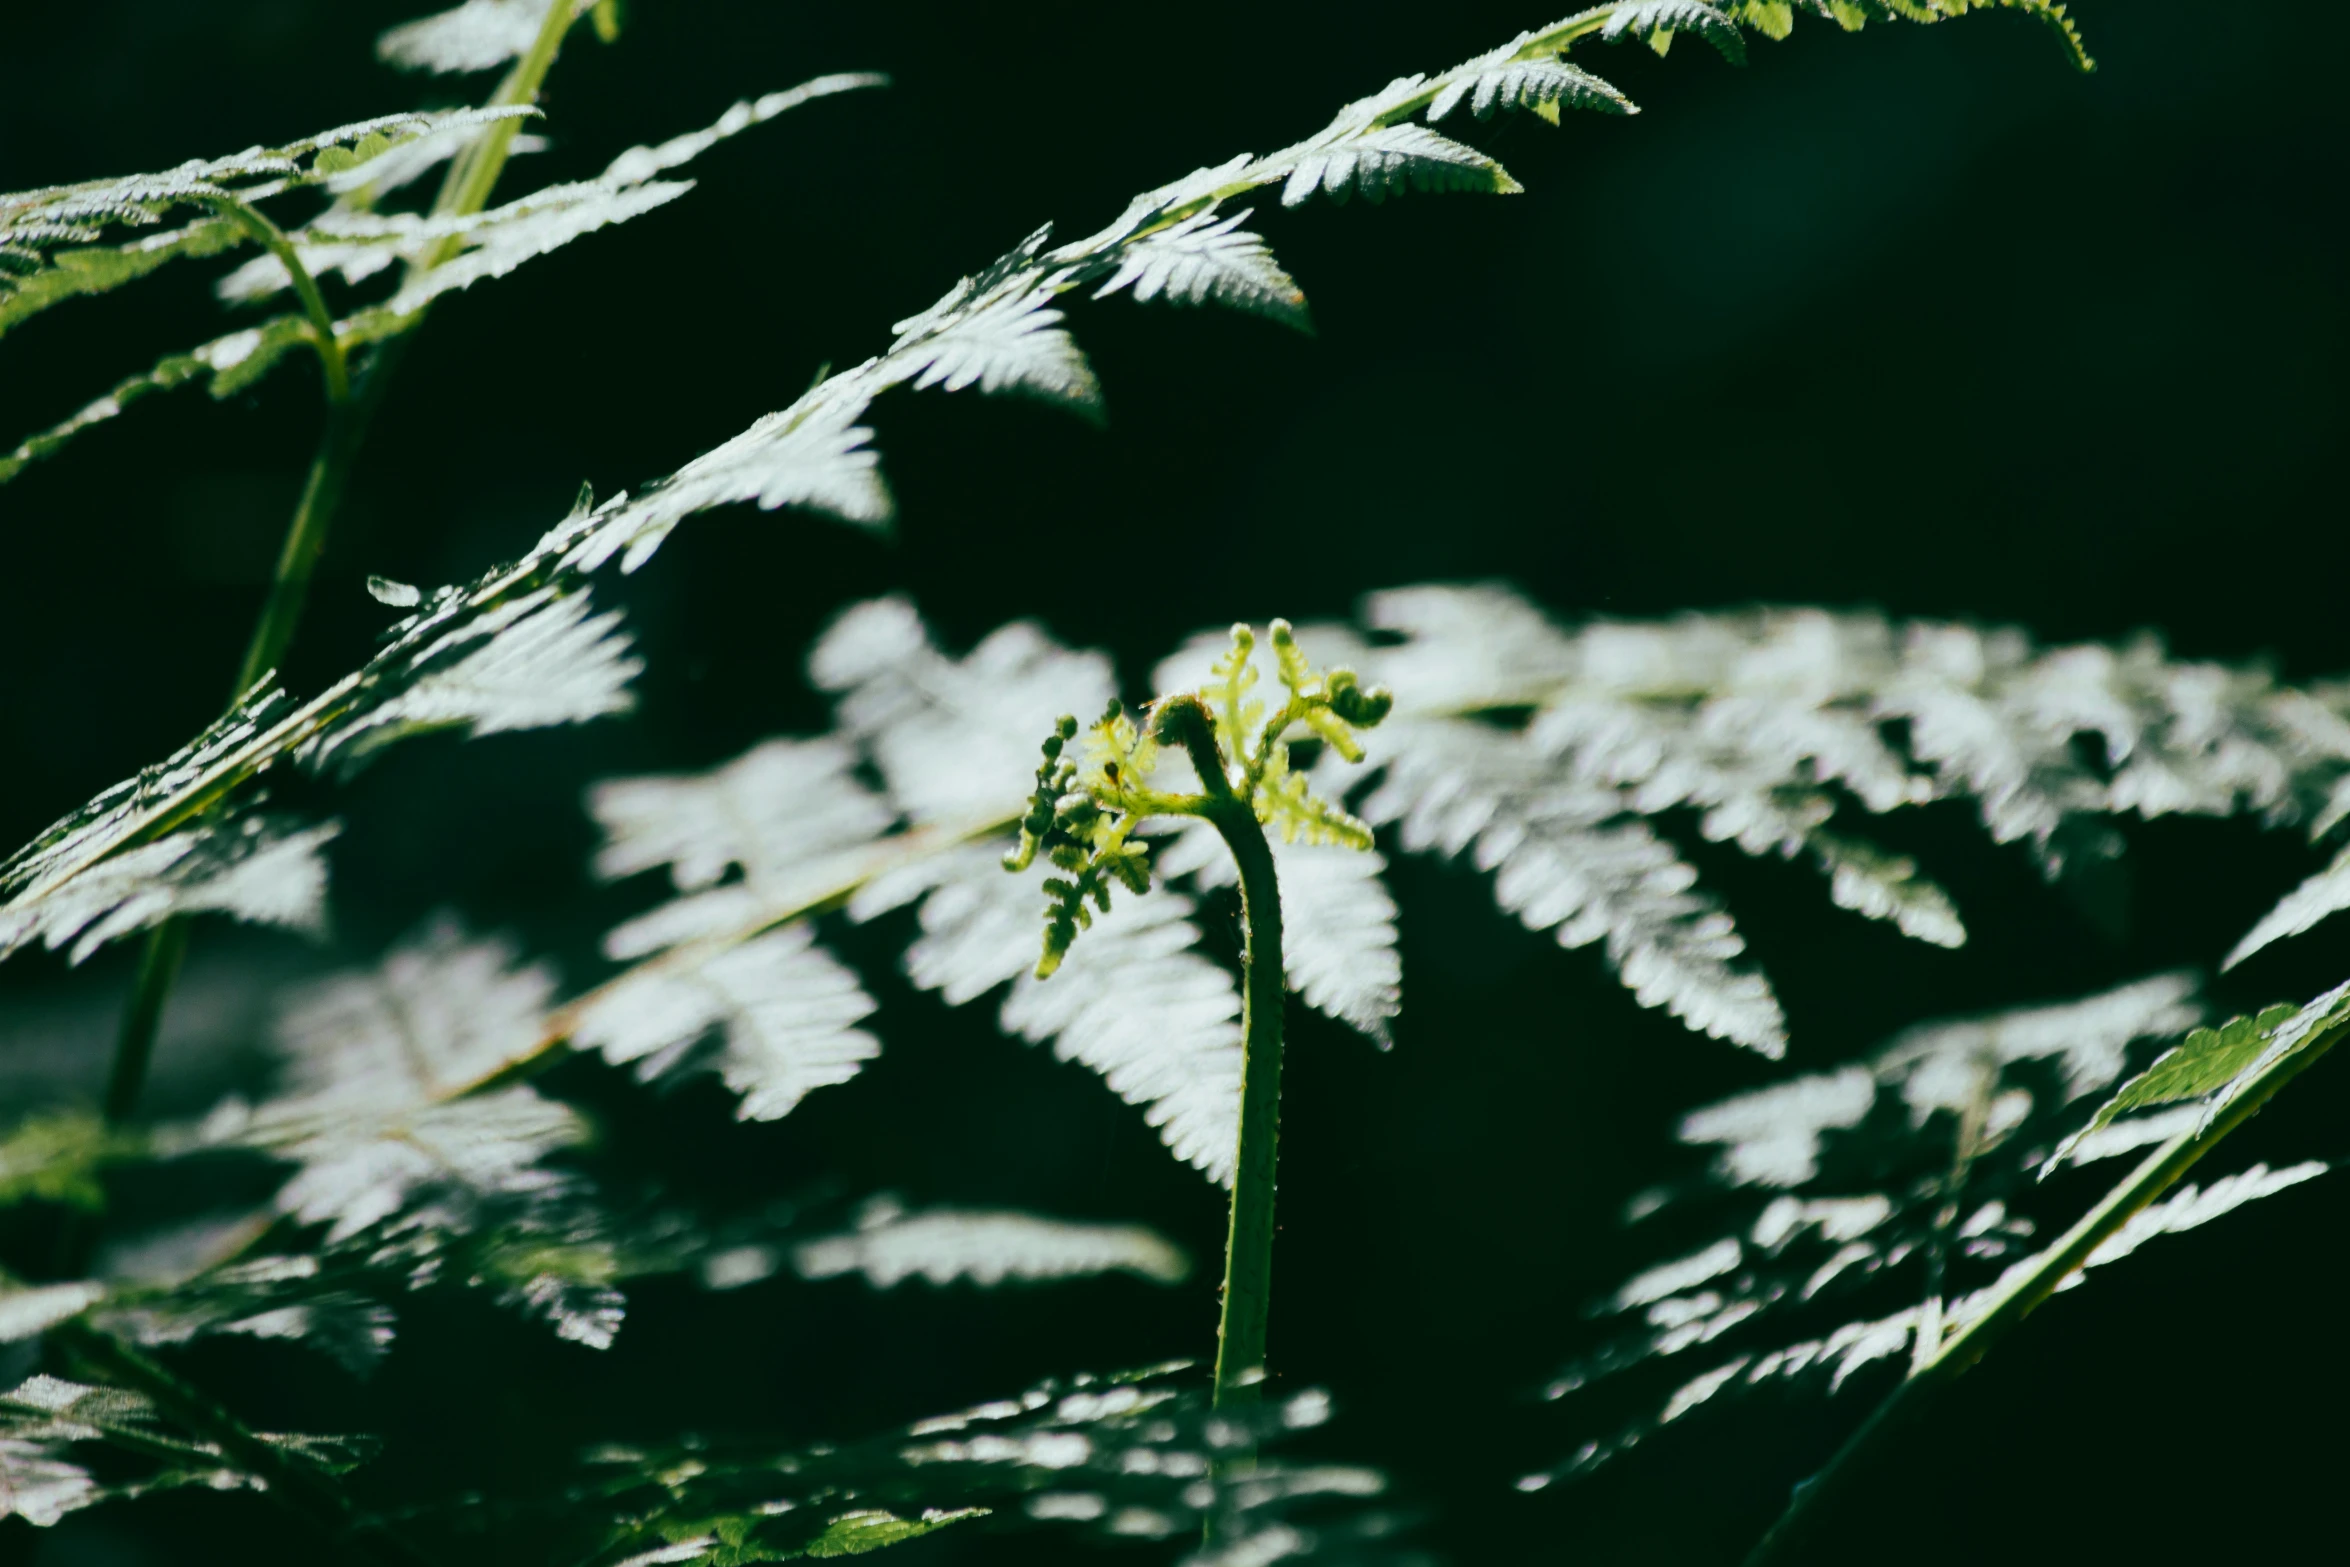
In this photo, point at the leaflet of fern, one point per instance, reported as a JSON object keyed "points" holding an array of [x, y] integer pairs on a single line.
{"points": [[955, 739], [48, 1425], [785, 1008], [1913, 1171], [475, 36], [379, 1063], [944, 1245], [260, 868], [355, 241], [1123, 1457]]}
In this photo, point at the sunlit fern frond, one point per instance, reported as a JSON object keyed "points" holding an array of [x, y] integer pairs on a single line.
{"points": [[50, 233], [1858, 1215], [1138, 1456], [890, 1244], [477, 35]]}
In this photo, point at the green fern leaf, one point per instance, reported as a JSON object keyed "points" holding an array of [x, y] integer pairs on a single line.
{"points": [[55, 1157]]}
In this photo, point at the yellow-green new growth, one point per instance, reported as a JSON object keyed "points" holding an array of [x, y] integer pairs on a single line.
{"points": [[1087, 803], [1082, 817]]}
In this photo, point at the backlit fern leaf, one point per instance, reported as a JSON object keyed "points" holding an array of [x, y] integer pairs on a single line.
{"points": [[1658, 20], [785, 1009], [955, 738], [1539, 85], [1206, 258], [474, 36], [1572, 859], [533, 661], [49, 230], [1134, 1002], [355, 241], [257, 867], [1849, 1194], [945, 1245], [381, 1062], [50, 1430], [998, 332], [1390, 159]]}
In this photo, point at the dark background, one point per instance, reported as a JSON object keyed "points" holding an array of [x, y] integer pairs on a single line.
{"points": [[1916, 319]]}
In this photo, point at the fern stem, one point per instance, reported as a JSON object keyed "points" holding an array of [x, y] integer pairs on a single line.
{"points": [[1248, 1239], [474, 172], [134, 1044], [322, 321], [1791, 1538]]}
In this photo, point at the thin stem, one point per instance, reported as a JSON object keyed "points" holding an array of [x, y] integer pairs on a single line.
{"points": [[134, 1045], [322, 321], [2024, 1289], [1248, 1241]]}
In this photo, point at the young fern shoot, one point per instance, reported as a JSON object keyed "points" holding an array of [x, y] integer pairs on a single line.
{"points": [[1083, 818]]}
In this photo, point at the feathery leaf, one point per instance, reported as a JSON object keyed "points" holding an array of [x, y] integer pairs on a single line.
{"points": [[475, 36], [943, 1245]]}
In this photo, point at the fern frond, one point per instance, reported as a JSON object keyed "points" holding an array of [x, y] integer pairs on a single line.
{"points": [[998, 332], [1207, 258], [955, 739], [356, 242], [1505, 81], [1656, 21], [944, 1245], [1122, 1457], [476, 36], [789, 815], [439, 1012], [231, 362], [379, 1063], [48, 1425], [1838, 1198], [2206, 1072], [51, 228], [261, 868], [532, 662], [1134, 1002], [1570, 858], [786, 1010], [1389, 160]]}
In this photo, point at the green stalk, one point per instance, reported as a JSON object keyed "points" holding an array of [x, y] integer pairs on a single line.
{"points": [[473, 174], [1865, 1453], [1248, 1240]]}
